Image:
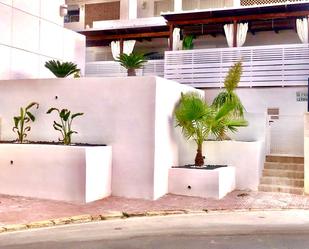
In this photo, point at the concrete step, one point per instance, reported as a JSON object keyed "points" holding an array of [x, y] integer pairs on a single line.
{"points": [[284, 173], [284, 166], [281, 189], [282, 181], [285, 159]]}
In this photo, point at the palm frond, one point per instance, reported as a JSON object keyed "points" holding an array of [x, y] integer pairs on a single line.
{"points": [[62, 69], [131, 61]]}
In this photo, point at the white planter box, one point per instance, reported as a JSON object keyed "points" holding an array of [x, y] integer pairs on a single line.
{"points": [[202, 183], [247, 157], [67, 173]]}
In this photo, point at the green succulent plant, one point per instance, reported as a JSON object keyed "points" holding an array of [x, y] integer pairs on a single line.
{"points": [[187, 43], [228, 95], [198, 121], [131, 62], [62, 69], [65, 125], [21, 122]]}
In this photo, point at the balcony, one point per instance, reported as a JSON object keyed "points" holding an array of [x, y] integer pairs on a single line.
{"points": [[272, 65]]}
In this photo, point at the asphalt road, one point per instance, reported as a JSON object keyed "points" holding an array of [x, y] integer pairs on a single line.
{"points": [[250, 230]]}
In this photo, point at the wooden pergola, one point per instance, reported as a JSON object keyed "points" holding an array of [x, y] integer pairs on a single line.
{"points": [[209, 22], [104, 37], [260, 18]]}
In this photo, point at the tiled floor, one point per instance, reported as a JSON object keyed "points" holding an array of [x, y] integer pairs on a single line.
{"points": [[15, 210]]}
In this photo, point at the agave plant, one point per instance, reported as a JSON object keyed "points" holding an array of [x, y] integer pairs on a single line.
{"points": [[21, 122], [187, 43], [228, 95], [62, 69], [198, 120], [131, 62]]}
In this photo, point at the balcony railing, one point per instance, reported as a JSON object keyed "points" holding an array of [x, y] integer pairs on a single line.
{"points": [[274, 65], [113, 69]]}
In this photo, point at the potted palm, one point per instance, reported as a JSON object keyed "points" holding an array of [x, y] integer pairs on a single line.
{"points": [[198, 121], [131, 62]]}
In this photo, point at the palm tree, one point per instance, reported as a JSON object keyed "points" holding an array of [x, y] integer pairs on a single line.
{"points": [[131, 62], [228, 95], [198, 120], [191, 114], [62, 69]]}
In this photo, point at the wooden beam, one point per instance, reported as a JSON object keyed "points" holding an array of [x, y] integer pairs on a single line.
{"points": [[205, 20], [171, 38], [235, 34], [121, 46], [98, 37]]}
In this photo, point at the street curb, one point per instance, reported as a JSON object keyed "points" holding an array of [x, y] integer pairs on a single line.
{"points": [[79, 219]]}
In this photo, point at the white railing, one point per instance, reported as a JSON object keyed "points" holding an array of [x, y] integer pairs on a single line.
{"points": [[273, 65], [114, 69]]}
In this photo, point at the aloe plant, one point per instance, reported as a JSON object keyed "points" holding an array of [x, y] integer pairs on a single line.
{"points": [[198, 121], [228, 95], [22, 122], [131, 62], [65, 125], [62, 69]]}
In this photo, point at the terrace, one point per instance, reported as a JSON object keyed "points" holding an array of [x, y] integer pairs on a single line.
{"points": [[261, 36]]}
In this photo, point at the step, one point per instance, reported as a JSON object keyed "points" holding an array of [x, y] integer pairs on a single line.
{"points": [[282, 181], [281, 189], [284, 166], [284, 173], [285, 159]]}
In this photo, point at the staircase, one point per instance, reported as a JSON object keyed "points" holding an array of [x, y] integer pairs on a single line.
{"points": [[283, 174]]}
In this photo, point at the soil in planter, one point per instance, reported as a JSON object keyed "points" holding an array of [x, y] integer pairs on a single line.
{"points": [[205, 167], [50, 143]]}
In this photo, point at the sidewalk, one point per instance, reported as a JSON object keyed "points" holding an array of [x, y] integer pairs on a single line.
{"points": [[20, 210]]}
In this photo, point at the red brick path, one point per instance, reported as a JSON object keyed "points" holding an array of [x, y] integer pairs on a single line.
{"points": [[15, 210]]}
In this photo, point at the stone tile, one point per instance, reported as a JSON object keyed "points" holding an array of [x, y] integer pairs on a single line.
{"points": [[21, 210]]}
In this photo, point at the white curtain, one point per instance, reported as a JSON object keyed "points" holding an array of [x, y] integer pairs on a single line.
{"points": [[302, 29], [128, 47], [229, 31], [115, 46], [242, 30], [177, 43]]}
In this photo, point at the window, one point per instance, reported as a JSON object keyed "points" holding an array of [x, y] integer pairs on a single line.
{"points": [[73, 14]]}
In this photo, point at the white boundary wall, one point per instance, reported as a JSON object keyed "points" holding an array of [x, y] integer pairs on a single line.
{"points": [[134, 115], [32, 33]]}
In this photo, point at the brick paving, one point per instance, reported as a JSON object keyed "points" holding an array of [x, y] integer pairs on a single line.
{"points": [[17, 210]]}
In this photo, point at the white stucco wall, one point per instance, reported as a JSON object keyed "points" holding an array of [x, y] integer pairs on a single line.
{"points": [[290, 122], [132, 114], [257, 100], [65, 173], [32, 33]]}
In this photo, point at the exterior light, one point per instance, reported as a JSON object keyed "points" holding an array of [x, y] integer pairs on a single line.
{"points": [[63, 10]]}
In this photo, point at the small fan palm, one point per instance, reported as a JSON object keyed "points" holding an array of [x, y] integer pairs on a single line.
{"points": [[198, 120], [228, 95], [131, 62], [62, 69]]}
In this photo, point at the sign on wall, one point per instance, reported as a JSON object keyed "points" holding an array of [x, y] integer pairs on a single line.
{"points": [[301, 96]]}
